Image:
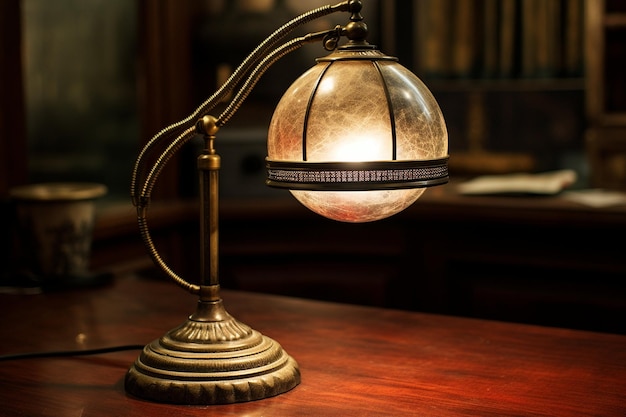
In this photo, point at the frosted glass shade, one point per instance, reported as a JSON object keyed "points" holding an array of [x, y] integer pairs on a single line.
{"points": [[357, 137]]}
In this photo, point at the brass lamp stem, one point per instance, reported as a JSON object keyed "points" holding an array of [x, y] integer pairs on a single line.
{"points": [[208, 168]]}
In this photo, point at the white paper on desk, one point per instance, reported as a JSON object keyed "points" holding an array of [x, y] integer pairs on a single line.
{"points": [[597, 197], [546, 183]]}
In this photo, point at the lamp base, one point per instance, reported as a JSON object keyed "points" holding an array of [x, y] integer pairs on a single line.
{"points": [[205, 362]]}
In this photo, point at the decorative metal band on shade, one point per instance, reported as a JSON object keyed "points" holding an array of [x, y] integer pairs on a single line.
{"points": [[355, 176]]}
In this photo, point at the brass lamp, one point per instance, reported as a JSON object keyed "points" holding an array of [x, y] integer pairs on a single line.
{"points": [[356, 138]]}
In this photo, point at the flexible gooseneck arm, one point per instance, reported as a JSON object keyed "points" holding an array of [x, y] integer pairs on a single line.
{"points": [[146, 171], [207, 123]]}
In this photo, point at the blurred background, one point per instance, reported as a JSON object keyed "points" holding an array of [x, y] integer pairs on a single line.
{"points": [[524, 85]]}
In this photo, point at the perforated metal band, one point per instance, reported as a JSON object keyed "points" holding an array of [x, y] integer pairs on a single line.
{"points": [[342, 176]]}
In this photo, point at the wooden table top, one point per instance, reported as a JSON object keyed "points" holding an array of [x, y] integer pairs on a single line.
{"points": [[355, 361]]}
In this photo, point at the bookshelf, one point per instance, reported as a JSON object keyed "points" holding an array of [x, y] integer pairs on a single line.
{"points": [[498, 39], [605, 25], [508, 74]]}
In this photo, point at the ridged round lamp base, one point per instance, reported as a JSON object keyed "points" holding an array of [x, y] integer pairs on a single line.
{"points": [[216, 372]]}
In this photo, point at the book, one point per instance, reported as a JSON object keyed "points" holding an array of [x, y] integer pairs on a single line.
{"points": [[544, 183], [573, 57], [529, 34], [490, 38], [548, 38], [464, 39], [507, 30], [433, 30]]}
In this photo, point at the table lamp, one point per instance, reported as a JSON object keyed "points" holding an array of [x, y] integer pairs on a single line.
{"points": [[356, 138]]}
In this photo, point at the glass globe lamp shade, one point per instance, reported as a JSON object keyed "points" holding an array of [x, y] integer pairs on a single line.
{"points": [[357, 137]]}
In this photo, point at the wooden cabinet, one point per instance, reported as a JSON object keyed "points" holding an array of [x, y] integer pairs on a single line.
{"points": [[542, 260]]}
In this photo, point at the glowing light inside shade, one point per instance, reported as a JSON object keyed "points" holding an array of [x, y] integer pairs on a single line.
{"points": [[355, 149], [327, 85], [358, 206]]}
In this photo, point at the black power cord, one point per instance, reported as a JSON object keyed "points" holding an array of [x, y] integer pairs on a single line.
{"points": [[68, 353]]}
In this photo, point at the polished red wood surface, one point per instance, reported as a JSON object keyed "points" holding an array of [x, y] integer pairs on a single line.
{"points": [[355, 361]]}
